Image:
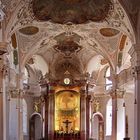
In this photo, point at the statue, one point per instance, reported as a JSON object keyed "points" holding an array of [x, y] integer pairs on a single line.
{"points": [[96, 106], [36, 107], [38, 104]]}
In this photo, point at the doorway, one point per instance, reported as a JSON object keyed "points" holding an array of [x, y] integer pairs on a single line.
{"points": [[35, 127], [97, 126]]}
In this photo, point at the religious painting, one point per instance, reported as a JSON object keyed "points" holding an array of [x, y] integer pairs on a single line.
{"points": [[67, 111]]}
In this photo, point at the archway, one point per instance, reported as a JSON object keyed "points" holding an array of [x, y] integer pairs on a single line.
{"points": [[35, 127], [97, 126]]}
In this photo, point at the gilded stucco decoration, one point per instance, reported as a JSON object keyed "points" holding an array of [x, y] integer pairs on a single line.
{"points": [[67, 47], [75, 11]]}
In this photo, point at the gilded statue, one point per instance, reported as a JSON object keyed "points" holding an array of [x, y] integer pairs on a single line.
{"points": [[36, 107], [96, 106], [38, 103]]}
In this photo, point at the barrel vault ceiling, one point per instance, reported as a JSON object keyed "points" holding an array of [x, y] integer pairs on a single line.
{"points": [[78, 36]]}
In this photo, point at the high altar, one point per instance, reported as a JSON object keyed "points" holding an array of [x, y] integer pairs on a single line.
{"points": [[67, 110]]}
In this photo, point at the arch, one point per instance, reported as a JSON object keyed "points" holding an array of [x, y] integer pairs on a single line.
{"points": [[32, 129], [108, 81], [26, 76], [96, 61], [100, 125], [39, 63]]}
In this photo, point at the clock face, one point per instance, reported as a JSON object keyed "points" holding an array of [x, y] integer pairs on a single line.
{"points": [[66, 81]]}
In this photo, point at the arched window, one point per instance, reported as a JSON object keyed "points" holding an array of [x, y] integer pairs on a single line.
{"points": [[24, 105], [108, 80], [26, 75], [109, 118]]}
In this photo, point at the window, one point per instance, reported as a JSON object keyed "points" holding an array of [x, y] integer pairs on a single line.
{"points": [[25, 81], [67, 81], [108, 80], [109, 118]]}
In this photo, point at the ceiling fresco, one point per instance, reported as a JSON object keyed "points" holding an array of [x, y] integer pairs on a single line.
{"points": [[109, 32], [29, 30], [75, 11]]}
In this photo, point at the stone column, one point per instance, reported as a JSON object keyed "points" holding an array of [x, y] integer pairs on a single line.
{"points": [[83, 115], [135, 60], [51, 106]]}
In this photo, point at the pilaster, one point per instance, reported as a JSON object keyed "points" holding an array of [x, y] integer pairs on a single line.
{"points": [[51, 106], [3, 89], [83, 115], [135, 60]]}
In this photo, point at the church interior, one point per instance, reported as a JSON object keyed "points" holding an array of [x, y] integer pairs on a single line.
{"points": [[69, 70]]}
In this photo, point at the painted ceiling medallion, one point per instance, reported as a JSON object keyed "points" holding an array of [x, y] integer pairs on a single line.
{"points": [[75, 11], [109, 32], [30, 30]]}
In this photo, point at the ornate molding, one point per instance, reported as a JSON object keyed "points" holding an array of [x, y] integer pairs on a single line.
{"points": [[118, 93], [15, 93], [136, 71], [3, 48]]}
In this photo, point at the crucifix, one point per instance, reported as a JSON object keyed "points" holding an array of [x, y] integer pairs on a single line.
{"points": [[67, 122]]}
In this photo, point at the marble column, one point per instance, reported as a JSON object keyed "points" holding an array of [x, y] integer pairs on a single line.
{"points": [[135, 61], [88, 115], [51, 108], [90, 118], [83, 115]]}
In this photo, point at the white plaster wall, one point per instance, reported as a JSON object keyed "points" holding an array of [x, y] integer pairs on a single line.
{"points": [[129, 102], [120, 119], [29, 101], [95, 128], [13, 120]]}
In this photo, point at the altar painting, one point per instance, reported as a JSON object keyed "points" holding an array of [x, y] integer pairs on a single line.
{"points": [[67, 111]]}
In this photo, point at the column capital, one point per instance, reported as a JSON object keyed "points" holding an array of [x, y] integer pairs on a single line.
{"points": [[118, 93], [136, 72], [135, 54]]}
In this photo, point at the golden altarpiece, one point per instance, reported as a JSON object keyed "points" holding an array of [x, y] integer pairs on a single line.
{"points": [[67, 109]]}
